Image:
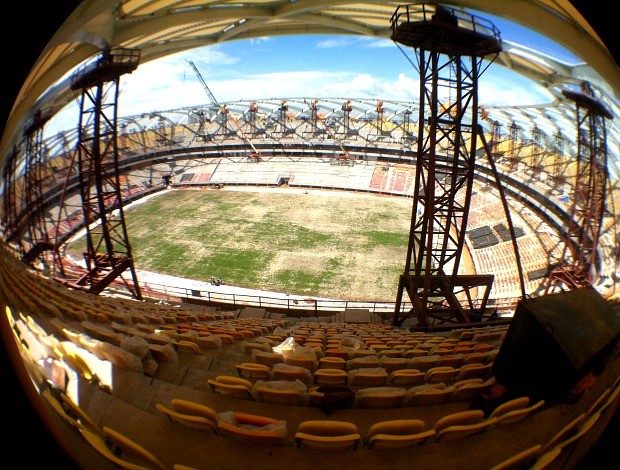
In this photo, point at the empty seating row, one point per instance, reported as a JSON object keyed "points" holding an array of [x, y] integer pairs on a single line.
{"points": [[335, 434], [312, 360], [296, 392], [363, 376]]}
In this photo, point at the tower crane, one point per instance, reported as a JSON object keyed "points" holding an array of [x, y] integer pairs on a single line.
{"points": [[255, 154]]}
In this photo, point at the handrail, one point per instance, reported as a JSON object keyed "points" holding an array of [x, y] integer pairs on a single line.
{"points": [[286, 303]]}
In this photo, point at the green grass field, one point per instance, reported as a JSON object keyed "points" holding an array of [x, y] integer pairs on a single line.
{"points": [[337, 245]]}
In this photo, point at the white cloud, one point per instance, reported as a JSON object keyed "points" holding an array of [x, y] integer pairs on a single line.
{"points": [[259, 40], [171, 83], [366, 86], [275, 85], [313, 84], [368, 42], [65, 119], [498, 90], [164, 86], [334, 42], [378, 43], [206, 56]]}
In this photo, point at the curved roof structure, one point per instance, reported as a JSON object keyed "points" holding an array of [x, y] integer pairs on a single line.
{"points": [[162, 27]]}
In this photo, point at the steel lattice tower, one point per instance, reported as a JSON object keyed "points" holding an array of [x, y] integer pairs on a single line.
{"points": [[108, 252], [537, 152], [588, 202], [450, 48], [314, 109], [10, 198], [34, 177], [514, 146], [407, 134], [346, 116], [282, 110], [252, 116], [380, 111], [558, 174], [496, 133]]}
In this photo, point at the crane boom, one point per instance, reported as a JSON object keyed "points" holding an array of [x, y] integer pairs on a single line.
{"points": [[222, 107], [204, 84]]}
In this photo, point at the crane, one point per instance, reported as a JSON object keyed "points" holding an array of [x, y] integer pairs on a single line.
{"points": [[204, 84], [255, 154]]}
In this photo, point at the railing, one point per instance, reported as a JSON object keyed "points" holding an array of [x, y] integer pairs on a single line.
{"points": [[289, 305], [427, 13], [239, 300]]}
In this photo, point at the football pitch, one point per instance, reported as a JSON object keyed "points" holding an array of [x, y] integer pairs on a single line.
{"points": [[317, 243]]}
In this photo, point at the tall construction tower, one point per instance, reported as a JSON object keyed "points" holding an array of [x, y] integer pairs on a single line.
{"points": [[108, 251], [588, 198], [451, 48], [35, 181], [11, 201]]}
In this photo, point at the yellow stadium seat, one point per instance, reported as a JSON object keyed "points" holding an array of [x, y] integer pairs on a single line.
{"points": [[132, 451], [327, 435], [397, 434]]}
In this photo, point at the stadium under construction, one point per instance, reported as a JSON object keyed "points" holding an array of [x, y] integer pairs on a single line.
{"points": [[511, 262]]}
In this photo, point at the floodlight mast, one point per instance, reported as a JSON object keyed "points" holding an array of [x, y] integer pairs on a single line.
{"points": [[223, 108]]}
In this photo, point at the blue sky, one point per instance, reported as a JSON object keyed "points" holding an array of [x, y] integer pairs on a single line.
{"points": [[308, 66]]}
